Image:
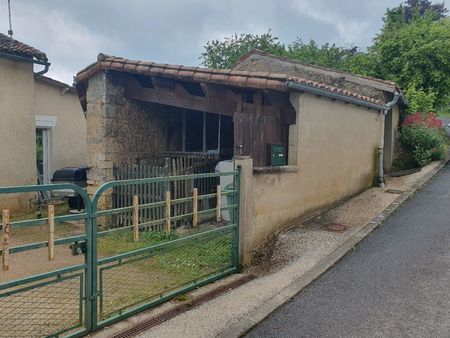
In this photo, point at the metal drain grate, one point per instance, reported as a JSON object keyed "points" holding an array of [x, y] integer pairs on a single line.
{"points": [[169, 314], [336, 227]]}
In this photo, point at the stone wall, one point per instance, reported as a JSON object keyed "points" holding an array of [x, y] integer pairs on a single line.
{"points": [[120, 130]]}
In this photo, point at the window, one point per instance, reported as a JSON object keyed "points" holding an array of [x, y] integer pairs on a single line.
{"points": [[195, 131]]}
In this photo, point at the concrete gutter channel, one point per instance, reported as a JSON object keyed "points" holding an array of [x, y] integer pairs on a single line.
{"points": [[258, 314]]}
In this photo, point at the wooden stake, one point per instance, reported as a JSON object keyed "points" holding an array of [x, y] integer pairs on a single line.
{"points": [[135, 218], [168, 213], [5, 245], [218, 197], [195, 208], [51, 232]]}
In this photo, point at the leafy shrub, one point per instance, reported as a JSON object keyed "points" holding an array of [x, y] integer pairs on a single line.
{"points": [[427, 144], [440, 152], [419, 99]]}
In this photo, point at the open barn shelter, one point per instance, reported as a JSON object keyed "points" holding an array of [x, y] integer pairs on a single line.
{"points": [[305, 137], [137, 111]]}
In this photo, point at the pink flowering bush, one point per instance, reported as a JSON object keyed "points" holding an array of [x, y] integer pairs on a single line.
{"points": [[424, 136], [429, 120]]}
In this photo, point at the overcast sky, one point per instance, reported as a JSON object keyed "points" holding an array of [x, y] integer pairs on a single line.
{"points": [[72, 33]]}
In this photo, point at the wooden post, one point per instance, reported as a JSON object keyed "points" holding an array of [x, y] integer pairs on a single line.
{"points": [[135, 218], [5, 245], [168, 213], [51, 232], [195, 208], [218, 217]]}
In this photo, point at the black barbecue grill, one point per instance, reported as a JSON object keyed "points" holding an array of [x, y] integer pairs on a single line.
{"points": [[73, 175]]}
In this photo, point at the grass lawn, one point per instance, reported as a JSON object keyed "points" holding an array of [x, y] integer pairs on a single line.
{"points": [[147, 277]]}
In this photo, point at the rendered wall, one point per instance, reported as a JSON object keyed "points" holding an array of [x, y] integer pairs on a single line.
{"points": [[69, 134], [17, 146], [334, 146]]}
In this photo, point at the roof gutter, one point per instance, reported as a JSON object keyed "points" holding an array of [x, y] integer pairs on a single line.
{"points": [[337, 96], [398, 96], [27, 60]]}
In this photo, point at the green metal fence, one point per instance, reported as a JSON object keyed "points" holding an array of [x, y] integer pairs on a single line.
{"points": [[113, 272]]}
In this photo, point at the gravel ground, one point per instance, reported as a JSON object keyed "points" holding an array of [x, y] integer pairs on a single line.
{"points": [[291, 254], [396, 284], [306, 240]]}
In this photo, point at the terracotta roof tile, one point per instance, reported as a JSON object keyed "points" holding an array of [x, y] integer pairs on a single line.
{"points": [[246, 79], [12, 46]]}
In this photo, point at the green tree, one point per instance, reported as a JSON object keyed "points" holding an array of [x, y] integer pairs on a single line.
{"points": [[327, 55], [416, 55], [226, 53], [421, 7], [419, 100]]}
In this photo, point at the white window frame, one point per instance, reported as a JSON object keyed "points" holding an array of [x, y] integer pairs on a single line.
{"points": [[46, 123]]}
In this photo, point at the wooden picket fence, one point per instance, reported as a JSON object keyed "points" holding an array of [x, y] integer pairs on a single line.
{"points": [[169, 164]]}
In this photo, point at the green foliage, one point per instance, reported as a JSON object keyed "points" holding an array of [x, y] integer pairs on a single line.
{"points": [[426, 144], [419, 100], [415, 55], [363, 64], [406, 12], [226, 53], [440, 152], [39, 145], [327, 55]]}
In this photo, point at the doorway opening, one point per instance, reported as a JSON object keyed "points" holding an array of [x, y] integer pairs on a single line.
{"points": [[43, 155]]}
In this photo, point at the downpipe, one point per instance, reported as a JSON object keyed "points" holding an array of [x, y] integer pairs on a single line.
{"points": [[380, 172]]}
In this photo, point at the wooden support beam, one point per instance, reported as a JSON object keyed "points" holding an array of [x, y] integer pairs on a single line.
{"points": [[163, 82], [289, 115], [5, 241], [51, 232], [166, 97], [135, 218], [180, 90], [167, 213], [218, 206], [195, 207], [251, 108], [213, 90], [258, 102]]}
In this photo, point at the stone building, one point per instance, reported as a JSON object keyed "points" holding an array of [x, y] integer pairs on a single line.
{"points": [[329, 128]]}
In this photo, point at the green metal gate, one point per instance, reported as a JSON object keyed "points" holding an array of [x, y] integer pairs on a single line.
{"points": [[101, 273]]}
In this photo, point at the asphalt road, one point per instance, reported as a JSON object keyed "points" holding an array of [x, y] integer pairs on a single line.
{"points": [[395, 284]]}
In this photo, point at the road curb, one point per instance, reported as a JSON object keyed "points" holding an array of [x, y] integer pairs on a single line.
{"points": [[250, 320]]}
